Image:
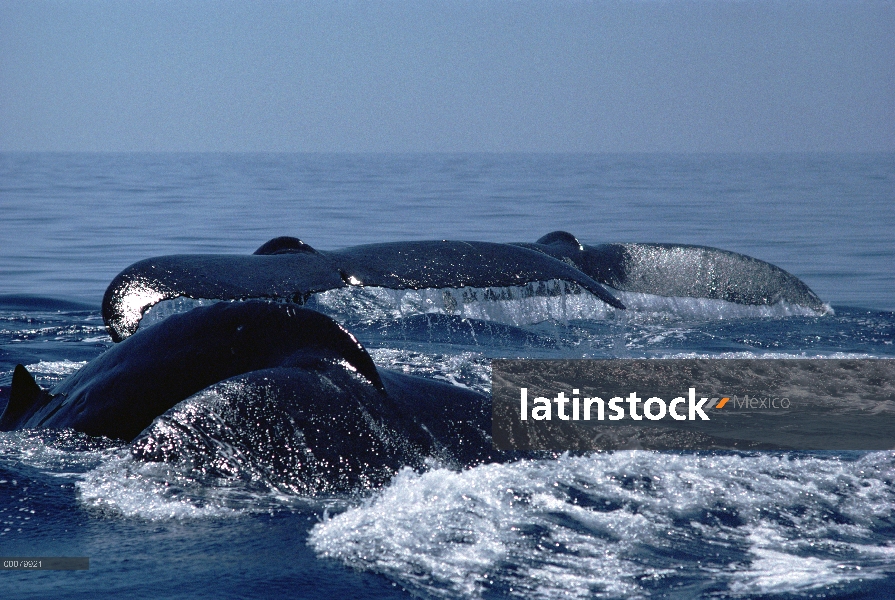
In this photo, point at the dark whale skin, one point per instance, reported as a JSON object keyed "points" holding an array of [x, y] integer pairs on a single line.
{"points": [[122, 391]]}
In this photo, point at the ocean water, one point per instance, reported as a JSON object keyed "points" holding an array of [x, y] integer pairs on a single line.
{"points": [[624, 524]]}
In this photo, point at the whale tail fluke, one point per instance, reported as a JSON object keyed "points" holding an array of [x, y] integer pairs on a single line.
{"points": [[286, 269], [698, 272], [22, 396], [681, 270]]}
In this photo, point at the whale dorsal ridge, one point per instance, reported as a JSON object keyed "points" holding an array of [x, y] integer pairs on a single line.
{"points": [[285, 245], [563, 238]]}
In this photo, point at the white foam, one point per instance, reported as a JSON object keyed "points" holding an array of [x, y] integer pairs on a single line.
{"points": [[709, 308], [55, 367], [447, 533], [775, 572], [53, 450], [554, 300], [147, 490], [601, 525], [465, 369]]}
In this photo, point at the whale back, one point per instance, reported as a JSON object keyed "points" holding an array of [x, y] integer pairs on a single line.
{"points": [[320, 431], [120, 392]]}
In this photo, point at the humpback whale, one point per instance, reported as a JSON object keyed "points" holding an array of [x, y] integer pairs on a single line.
{"points": [[284, 380], [267, 377], [287, 269]]}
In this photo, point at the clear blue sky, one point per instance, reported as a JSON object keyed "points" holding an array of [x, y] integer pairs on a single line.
{"points": [[679, 76]]}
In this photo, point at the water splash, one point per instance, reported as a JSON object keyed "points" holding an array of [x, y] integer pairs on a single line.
{"points": [[625, 524]]}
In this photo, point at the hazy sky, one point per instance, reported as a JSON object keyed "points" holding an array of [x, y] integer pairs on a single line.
{"points": [[677, 76]]}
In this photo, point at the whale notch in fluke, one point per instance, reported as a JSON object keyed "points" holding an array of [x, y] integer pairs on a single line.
{"points": [[283, 380], [287, 269]]}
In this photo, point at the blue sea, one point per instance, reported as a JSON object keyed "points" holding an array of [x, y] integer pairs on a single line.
{"points": [[622, 524]]}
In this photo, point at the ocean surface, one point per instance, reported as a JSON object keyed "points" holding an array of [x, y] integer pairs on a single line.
{"points": [[623, 524]]}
